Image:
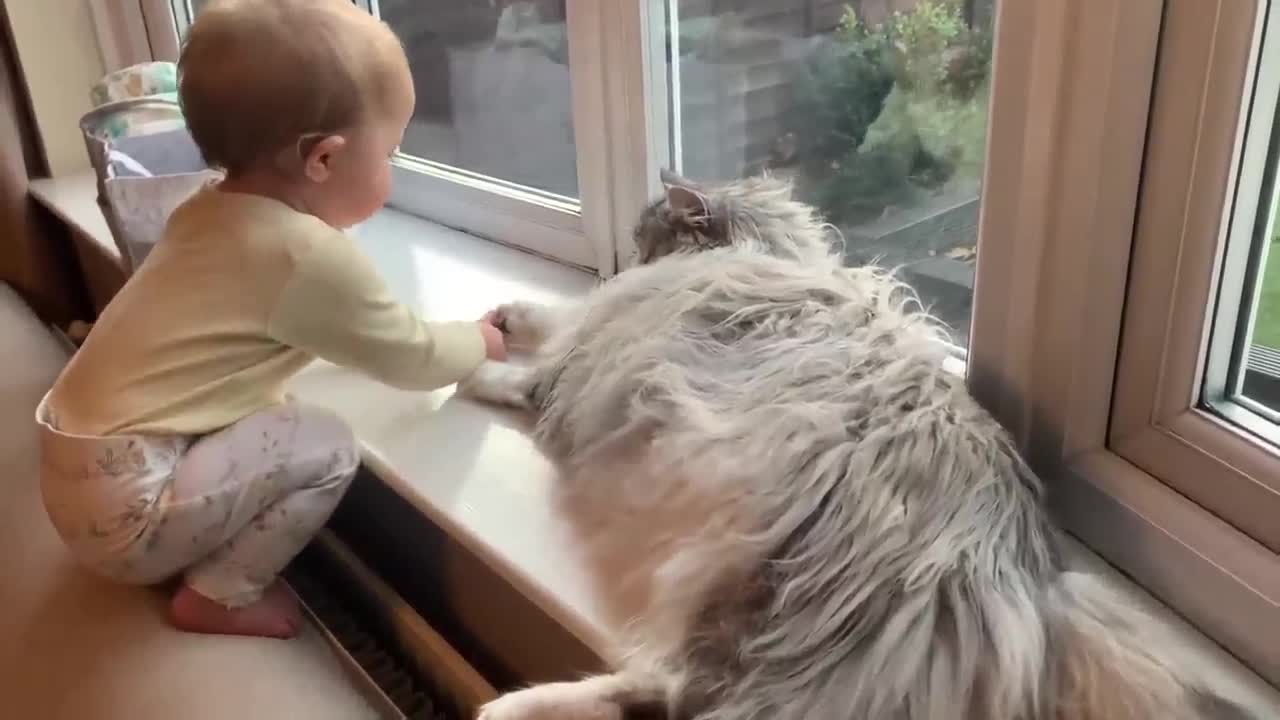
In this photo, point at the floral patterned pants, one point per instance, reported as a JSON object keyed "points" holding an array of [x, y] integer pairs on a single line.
{"points": [[226, 510]]}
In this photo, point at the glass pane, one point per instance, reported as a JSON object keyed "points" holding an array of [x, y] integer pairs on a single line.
{"points": [[1260, 379], [1242, 373], [185, 11], [191, 8], [493, 88], [876, 108]]}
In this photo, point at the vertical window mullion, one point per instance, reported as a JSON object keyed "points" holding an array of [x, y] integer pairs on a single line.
{"points": [[618, 55], [163, 30], [122, 32], [586, 23]]}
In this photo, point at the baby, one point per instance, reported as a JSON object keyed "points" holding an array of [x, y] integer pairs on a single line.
{"points": [[170, 448]]}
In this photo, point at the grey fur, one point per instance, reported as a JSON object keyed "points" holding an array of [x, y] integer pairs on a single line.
{"points": [[817, 520]]}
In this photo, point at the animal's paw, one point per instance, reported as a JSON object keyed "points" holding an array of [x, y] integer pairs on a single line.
{"points": [[500, 383], [526, 325], [557, 701]]}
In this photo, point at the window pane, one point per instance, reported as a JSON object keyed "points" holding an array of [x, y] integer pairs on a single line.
{"points": [[492, 82], [184, 11], [1242, 371], [876, 108], [188, 9], [1260, 381]]}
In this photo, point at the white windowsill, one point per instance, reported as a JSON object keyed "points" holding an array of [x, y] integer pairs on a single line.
{"points": [[472, 469]]}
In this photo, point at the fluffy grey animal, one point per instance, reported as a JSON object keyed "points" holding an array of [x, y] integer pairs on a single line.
{"points": [[815, 520]]}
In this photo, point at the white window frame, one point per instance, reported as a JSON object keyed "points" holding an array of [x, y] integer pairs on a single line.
{"points": [[581, 233], [180, 11], [133, 31], [1077, 87], [620, 103]]}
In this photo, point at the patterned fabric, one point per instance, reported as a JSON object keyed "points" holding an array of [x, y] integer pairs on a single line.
{"points": [[133, 122], [228, 510], [143, 80], [148, 80]]}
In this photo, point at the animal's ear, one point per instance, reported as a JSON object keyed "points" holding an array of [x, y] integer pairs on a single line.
{"points": [[671, 179], [688, 205], [688, 201], [684, 200]]}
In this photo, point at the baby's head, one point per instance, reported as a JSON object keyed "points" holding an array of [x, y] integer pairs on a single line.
{"points": [[311, 94]]}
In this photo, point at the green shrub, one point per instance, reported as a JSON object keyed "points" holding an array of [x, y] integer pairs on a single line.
{"points": [[839, 94], [885, 116]]}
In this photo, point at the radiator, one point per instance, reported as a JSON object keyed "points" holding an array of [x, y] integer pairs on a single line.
{"points": [[404, 667]]}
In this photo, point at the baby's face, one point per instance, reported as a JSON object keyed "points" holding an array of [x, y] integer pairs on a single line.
{"points": [[361, 179]]}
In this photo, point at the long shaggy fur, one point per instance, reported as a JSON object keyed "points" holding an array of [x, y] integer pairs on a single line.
{"points": [[817, 520]]}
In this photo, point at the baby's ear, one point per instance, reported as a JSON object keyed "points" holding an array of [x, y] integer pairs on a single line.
{"points": [[317, 153]]}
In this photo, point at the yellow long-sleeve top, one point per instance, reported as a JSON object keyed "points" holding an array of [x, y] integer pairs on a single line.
{"points": [[240, 294]]}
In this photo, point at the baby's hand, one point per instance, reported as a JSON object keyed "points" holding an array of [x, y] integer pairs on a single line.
{"points": [[495, 345]]}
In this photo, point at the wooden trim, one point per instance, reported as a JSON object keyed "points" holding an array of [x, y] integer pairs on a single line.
{"points": [[1196, 141], [122, 33], [1220, 581], [36, 257], [1070, 97], [17, 99], [1073, 87], [162, 29], [636, 101], [586, 26], [1189, 453]]}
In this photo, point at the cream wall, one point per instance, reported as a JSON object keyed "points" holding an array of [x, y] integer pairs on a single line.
{"points": [[59, 53]]}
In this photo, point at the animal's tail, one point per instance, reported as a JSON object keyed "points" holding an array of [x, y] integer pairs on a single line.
{"points": [[1112, 661]]}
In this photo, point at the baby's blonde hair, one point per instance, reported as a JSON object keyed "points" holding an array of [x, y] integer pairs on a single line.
{"points": [[257, 77]]}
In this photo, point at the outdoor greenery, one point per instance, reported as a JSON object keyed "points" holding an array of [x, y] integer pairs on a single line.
{"points": [[887, 116], [1266, 330]]}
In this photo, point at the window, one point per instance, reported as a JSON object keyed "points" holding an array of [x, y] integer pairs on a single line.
{"points": [[876, 110], [184, 11], [1242, 382], [1258, 380], [493, 91], [1111, 237], [1111, 165], [1181, 408], [492, 147]]}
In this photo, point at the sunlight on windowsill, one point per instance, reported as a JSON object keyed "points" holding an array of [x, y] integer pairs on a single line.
{"points": [[469, 468]]}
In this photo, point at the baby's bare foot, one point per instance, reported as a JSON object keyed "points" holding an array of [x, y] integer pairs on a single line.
{"points": [[275, 615]]}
